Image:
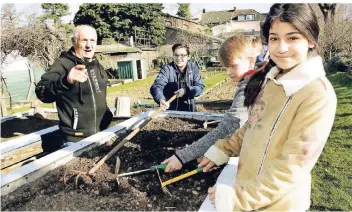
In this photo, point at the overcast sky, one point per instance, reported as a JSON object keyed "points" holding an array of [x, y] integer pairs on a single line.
{"points": [[196, 8]]}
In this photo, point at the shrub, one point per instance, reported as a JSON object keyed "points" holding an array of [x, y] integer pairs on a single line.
{"points": [[340, 63], [108, 41]]}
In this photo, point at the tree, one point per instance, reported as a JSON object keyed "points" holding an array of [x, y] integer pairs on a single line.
{"points": [[327, 9], [9, 16], [33, 39], [123, 20], [39, 42], [335, 22], [184, 11], [200, 45], [54, 11]]}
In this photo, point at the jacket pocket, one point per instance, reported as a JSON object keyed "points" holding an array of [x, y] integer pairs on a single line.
{"points": [[75, 118]]}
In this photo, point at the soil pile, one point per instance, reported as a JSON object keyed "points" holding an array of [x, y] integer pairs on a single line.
{"points": [[157, 141]]}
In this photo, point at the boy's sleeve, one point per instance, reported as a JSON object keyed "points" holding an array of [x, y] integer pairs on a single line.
{"points": [[197, 88], [197, 149], [157, 88]]}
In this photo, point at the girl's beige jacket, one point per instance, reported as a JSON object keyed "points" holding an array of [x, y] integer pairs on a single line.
{"points": [[279, 145]]}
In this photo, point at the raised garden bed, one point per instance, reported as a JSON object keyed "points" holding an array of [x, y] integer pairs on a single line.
{"points": [[157, 141]]}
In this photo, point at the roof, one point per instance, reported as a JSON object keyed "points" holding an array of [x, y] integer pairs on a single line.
{"points": [[220, 17], [189, 20], [216, 17], [115, 48], [197, 33]]}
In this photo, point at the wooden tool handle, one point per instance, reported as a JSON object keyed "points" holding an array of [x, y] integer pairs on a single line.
{"points": [[188, 174], [128, 138]]}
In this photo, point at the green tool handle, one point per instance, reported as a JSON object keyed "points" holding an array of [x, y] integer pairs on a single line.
{"points": [[200, 169], [161, 166]]}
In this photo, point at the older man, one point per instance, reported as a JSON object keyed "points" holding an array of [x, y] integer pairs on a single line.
{"points": [[77, 82]]}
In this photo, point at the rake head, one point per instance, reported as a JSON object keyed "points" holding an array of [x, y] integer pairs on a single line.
{"points": [[78, 177], [163, 188]]}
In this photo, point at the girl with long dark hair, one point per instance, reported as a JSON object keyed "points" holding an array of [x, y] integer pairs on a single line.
{"points": [[291, 112]]}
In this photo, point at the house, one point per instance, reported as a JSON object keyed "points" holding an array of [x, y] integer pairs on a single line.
{"points": [[196, 35], [225, 23]]}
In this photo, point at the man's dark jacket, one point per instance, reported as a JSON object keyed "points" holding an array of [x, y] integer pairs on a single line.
{"points": [[82, 107], [169, 80]]}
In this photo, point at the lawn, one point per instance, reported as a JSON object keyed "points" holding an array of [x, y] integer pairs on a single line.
{"points": [[142, 84], [332, 175], [208, 82], [216, 78]]}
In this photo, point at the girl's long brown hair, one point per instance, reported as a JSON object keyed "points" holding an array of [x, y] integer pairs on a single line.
{"points": [[303, 18]]}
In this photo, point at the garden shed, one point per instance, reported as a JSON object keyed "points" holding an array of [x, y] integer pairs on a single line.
{"points": [[130, 68], [128, 61]]}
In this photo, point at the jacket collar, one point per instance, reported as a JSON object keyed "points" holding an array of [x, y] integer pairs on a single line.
{"points": [[300, 76], [178, 69]]}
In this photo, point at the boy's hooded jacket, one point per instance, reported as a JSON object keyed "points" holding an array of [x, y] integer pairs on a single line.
{"points": [[81, 107]]}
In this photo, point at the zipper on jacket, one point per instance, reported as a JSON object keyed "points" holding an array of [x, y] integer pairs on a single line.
{"points": [[272, 132], [95, 109], [178, 87], [75, 118]]}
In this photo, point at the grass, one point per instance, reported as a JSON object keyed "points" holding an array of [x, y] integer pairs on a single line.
{"points": [[211, 81], [143, 84], [138, 83], [332, 175], [22, 109]]}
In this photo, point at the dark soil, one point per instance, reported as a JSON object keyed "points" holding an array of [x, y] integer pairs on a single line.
{"points": [[21, 126], [156, 142]]}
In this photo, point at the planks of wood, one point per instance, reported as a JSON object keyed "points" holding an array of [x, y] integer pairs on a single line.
{"points": [[32, 171], [21, 154], [25, 140], [16, 115]]}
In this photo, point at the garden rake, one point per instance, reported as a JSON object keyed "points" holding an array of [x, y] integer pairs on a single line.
{"points": [[118, 147]]}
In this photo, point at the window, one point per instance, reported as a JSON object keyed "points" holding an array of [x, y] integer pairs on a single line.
{"points": [[249, 17], [241, 17]]}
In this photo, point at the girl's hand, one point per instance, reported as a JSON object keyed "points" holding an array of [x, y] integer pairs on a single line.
{"points": [[209, 165], [211, 192]]}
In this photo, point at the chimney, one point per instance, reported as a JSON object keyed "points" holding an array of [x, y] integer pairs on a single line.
{"points": [[234, 9], [203, 10]]}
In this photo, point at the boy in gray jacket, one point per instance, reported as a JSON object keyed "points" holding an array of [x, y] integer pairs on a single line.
{"points": [[238, 55]]}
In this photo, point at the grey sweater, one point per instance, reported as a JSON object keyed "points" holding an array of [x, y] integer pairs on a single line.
{"points": [[235, 117]]}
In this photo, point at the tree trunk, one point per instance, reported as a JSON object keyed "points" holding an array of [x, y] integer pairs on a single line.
{"points": [[3, 98]]}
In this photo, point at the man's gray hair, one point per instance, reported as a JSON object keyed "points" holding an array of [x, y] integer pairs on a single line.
{"points": [[75, 31]]}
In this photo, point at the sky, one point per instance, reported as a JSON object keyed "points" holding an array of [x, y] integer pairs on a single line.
{"points": [[196, 8]]}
